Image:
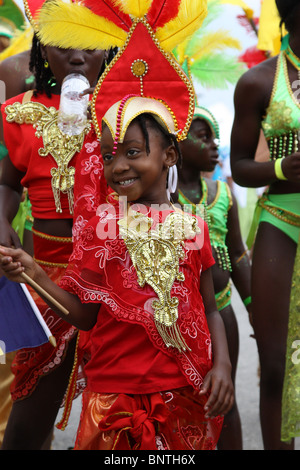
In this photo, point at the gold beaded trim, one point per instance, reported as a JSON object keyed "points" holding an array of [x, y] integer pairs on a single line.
{"points": [[281, 214], [52, 237], [30, 17], [183, 132], [52, 265], [223, 297], [288, 82]]}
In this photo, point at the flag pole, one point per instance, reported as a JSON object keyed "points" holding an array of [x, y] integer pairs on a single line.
{"points": [[44, 293]]}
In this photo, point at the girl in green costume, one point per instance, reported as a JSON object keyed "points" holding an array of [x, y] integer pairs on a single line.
{"points": [[214, 202], [267, 98]]}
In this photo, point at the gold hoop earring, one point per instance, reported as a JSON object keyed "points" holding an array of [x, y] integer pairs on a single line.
{"points": [[46, 65]]}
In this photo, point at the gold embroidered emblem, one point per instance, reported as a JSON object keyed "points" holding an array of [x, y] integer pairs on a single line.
{"points": [[155, 254], [60, 146]]}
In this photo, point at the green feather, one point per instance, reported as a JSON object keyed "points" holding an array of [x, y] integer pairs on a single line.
{"points": [[217, 71]]}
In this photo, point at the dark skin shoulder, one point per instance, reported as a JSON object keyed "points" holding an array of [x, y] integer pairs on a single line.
{"points": [[251, 98], [15, 73]]}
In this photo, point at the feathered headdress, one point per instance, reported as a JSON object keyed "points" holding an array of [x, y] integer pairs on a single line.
{"points": [[146, 32]]}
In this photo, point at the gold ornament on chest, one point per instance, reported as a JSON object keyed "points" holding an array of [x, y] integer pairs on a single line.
{"points": [[155, 254], [60, 146]]}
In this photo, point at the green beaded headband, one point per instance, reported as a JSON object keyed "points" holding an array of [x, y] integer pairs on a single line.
{"points": [[203, 113]]}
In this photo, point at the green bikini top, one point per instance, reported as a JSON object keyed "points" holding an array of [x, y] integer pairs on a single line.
{"points": [[282, 120], [215, 215]]}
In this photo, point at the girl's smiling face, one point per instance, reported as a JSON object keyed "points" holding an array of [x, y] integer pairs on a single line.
{"points": [[134, 173]]}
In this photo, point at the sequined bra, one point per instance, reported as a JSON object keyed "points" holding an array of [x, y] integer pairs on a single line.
{"points": [[281, 123]]}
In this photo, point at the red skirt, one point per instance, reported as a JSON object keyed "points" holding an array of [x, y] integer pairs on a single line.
{"points": [[30, 364], [172, 420]]}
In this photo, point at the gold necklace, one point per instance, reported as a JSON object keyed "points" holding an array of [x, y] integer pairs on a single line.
{"points": [[293, 59]]}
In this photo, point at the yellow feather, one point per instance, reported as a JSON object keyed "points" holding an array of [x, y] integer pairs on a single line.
{"points": [[181, 50], [213, 42], [190, 17], [136, 8], [75, 26], [240, 3]]}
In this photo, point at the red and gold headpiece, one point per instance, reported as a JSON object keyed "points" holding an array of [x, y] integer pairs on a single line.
{"points": [[144, 76]]}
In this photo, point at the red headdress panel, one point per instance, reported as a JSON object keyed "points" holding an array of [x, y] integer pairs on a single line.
{"points": [[32, 8], [145, 32]]}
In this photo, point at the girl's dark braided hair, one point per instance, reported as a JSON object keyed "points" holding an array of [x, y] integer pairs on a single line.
{"points": [[41, 74], [44, 78], [168, 138]]}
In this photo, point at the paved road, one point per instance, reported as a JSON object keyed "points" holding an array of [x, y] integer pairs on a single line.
{"points": [[247, 391]]}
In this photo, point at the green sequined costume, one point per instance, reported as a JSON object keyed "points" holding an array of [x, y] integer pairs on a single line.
{"points": [[215, 215], [281, 126]]}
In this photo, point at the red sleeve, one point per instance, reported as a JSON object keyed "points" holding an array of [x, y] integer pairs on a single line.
{"points": [[206, 252], [13, 135]]}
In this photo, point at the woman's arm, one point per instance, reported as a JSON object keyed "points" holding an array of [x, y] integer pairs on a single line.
{"points": [[218, 380], [251, 99], [14, 262]]}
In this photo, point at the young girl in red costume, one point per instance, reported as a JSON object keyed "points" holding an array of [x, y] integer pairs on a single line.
{"points": [[37, 154], [140, 274]]}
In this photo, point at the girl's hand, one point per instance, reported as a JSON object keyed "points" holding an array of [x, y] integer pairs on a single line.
{"points": [[291, 167], [14, 262], [88, 91], [218, 383]]}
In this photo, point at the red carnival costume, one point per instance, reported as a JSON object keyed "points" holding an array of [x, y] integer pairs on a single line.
{"points": [[38, 149], [141, 361], [150, 347]]}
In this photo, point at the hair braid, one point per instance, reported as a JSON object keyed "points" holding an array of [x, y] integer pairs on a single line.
{"points": [[42, 74], [168, 137]]}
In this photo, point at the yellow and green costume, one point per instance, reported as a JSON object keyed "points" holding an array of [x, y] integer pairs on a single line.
{"points": [[281, 126], [215, 215]]}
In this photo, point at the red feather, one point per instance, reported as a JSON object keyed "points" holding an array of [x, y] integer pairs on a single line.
{"points": [[107, 9], [245, 23], [252, 56], [161, 12]]}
